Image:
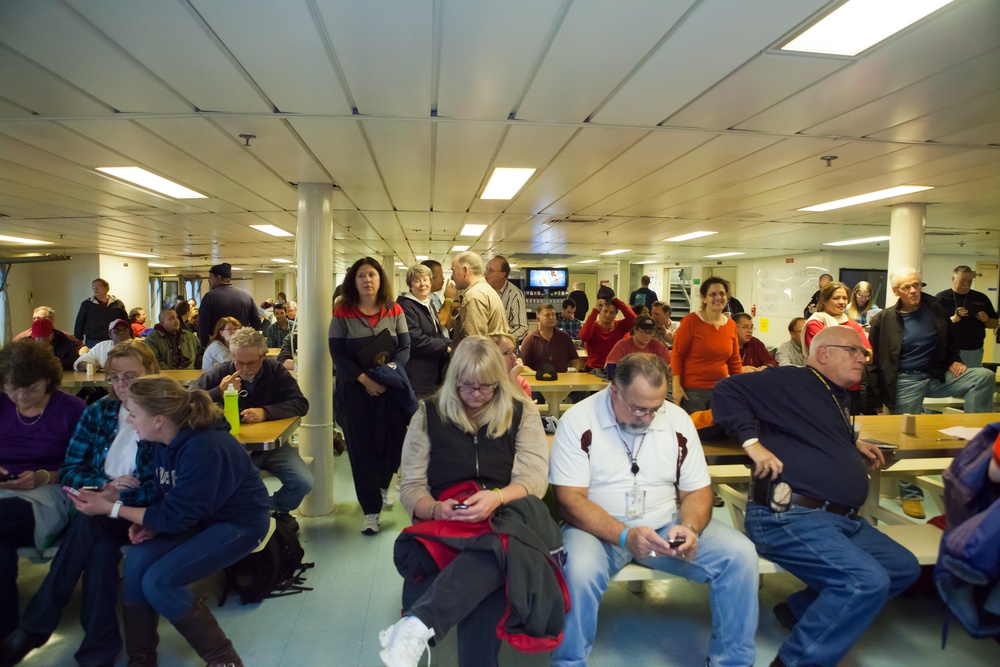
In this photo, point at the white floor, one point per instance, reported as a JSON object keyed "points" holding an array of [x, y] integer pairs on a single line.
{"points": [[357, 593]]}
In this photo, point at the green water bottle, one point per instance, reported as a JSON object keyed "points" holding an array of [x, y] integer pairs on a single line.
{"points": [[231, 408]]}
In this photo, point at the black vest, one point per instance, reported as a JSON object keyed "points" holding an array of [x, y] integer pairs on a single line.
{"points": [[457, 456]]}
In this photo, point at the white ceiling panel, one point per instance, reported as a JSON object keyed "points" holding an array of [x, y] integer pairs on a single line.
{"points": [[463, 153], [985, 134], [36, 89], [57, 38], [403, 154], [928, 48], [948, 119], [280, 45], [763, 82], [671, 78], [343, 153], [488, 54], [592, 53], [170, 40], [590, 151], [386, 51], [276, 145]]}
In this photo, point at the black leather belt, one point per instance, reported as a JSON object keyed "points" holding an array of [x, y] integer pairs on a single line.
{"points": [[816, 504]]}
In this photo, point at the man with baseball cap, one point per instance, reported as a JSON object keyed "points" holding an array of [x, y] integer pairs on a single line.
{"points": [[225, 300], [65, 348], [642, 340], [120, 331]]}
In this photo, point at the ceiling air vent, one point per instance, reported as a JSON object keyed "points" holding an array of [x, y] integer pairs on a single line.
{"points": [[575, 220]]}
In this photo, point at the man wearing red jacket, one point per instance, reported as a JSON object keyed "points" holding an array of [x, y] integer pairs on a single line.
{"points": [[601, 331]]}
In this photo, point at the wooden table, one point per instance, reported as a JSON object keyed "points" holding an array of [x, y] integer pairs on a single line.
{"points": [[76, 380], [927, 443], [556, 391], [273, 352], [265, 436]]}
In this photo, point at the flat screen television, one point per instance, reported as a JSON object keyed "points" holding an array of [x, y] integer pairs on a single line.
{"points": [[548, 278]]}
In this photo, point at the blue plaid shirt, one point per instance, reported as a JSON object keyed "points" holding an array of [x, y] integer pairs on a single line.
{"points": [[570, 325], [88, 450]]}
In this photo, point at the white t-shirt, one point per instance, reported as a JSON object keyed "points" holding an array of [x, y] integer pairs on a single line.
{"points": [[606, 471], [98, 355], [121, 454]]}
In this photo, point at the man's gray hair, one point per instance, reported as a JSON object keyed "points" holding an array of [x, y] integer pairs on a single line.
{"points": [[49, 313], [961, 269], [899, 273], [473, 261], [417, 271], [637, 364], [248, 337]]}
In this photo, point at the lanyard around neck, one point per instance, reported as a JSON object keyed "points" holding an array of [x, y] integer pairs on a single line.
{"points": [[849, 422]]}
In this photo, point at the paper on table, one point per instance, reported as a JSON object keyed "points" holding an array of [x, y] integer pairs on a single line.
{"points": [[963, 432]]}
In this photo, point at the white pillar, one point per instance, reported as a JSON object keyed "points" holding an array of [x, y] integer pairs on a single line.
{"points": [[624, 279], [906, 238], [314, 243]]}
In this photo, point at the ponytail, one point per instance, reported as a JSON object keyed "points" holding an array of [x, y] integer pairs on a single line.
{"points": [[203, 412], [161, 395]]}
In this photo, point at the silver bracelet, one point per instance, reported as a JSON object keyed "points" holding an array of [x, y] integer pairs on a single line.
{"points": [[115, 508]]}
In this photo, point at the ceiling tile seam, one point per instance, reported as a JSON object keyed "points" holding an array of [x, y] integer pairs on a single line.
{"points": [[264, 165], [331, 53], [57, 179], [437, 30], [642, 61], [224, 50], [491, 165], [127, 55], [58, 78], [960, 103], [550, 37], [374, 159], [47, 191], [312, 156]]}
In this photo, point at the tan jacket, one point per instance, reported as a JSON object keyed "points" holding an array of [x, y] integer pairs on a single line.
{"points": [[481, 313]]}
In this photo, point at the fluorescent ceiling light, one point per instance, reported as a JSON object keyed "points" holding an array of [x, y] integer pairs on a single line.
{"points": [[151, 181], [472, 230], [588, 261], [871, 196], [859, 24], [262, 271], [281, 261], [505, 182], [648, 261], [18, 239], [235, 268], [421, 258], [156, 265], [723, 254], [272, 230], [688, 237], [460, 248], [135, 254], [872, 239], [615, 252]]}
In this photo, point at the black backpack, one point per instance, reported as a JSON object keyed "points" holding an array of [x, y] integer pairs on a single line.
{"points": [[275, 571]]}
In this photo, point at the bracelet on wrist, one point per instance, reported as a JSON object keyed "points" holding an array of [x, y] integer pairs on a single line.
{"points": [[621, 538], [48, 476], [434, 510], [500, 494]]}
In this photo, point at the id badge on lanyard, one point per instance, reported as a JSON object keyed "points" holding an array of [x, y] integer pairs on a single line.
{"points": [[635, 502]]}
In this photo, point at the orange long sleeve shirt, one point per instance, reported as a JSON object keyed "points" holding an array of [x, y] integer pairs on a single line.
{"points": [[703, 355]]}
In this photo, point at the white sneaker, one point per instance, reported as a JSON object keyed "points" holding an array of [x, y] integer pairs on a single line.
{"points": [[370, 525], [404, 643], [386, 498]]}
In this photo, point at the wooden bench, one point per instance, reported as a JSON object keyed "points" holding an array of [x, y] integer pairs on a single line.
{"points": [[39, 556]]}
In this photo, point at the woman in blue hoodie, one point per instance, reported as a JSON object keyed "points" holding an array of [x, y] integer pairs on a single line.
{"points": [[211, 509]]}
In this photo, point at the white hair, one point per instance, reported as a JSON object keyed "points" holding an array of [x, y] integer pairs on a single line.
{"points": [[899, 273]]}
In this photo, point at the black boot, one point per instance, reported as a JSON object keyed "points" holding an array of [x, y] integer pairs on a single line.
{"points": [[199, 627], [141, 638], [19, 644]]}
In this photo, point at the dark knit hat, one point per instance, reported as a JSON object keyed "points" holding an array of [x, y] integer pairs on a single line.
{"points": [[223, 270]]}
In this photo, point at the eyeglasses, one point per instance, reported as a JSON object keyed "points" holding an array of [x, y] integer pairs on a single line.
{"points": [[484, 389], [745, 327], [638, 412], [909, 286], [121, 377], [853, 350]]}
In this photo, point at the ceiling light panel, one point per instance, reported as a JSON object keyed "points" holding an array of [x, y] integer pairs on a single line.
{"points": [[871, 239], [724, 254], [151, 181], [615, 252], [472, 230], [506, 182], [281, 261], [688, 237], [272, 230], [21, 241], [868, 197]]}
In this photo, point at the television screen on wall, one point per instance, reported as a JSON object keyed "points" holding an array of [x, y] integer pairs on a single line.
{"points": [[548, 278]]}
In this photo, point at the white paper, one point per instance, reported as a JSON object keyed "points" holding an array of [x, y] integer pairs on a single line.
{"points": [[963, 432]]}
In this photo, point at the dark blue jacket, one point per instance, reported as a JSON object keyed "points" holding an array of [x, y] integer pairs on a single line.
{"points": [[206, 477], [428, 346]]}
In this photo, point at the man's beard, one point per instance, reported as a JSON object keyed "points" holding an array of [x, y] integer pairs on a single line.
{"points": [[637, 428]]}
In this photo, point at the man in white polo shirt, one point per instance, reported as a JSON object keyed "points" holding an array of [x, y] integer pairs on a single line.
{"points": [[631, 479]]}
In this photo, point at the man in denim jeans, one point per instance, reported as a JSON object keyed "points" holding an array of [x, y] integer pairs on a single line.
{"points": [[631, 479], [917, 356], [810, 480]]}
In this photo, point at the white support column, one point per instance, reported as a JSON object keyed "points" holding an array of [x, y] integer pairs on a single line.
{"points": [[624, 279], [314, 241], [906, 242]]}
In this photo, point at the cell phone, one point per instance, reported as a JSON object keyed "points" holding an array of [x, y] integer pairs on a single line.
{"points": [[677, 541], [70, 490], [881, 444], [460, 506], [8, 476]]}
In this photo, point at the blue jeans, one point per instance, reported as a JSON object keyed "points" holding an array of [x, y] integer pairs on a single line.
{"points": [[725, 561], [90, 548], [295, 476], [850, 569], [157, 571]]}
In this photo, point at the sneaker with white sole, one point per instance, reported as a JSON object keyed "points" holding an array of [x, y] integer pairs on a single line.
{"points": [[387, 500], [404, 642], [370, 526]]}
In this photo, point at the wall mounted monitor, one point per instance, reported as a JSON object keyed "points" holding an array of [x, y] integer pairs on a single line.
{"points": [[548, 278]]}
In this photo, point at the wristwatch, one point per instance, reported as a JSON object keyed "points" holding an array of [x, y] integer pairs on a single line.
{"points": [[115, 508]]}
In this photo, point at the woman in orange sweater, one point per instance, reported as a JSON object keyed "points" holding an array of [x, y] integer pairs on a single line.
{"points": [[705, 349]]}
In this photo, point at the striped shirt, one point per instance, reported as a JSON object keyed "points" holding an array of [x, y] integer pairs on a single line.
{"points": [[517, 312], [351, 330]]}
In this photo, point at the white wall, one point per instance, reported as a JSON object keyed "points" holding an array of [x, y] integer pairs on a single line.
{"points": [[129, 279]]}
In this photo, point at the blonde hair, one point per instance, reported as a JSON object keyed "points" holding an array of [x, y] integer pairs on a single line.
{"points": [[137, 351], [161, 395], [477, 359], [852, 307]]}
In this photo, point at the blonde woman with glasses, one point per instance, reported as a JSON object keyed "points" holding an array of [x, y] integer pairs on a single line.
{"points": [[474, 448]]}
